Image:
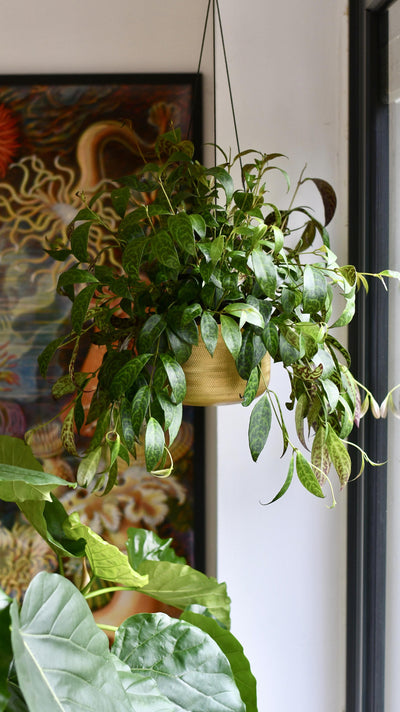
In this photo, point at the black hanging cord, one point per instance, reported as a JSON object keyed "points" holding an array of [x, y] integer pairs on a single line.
{"points": [[215, 6]]}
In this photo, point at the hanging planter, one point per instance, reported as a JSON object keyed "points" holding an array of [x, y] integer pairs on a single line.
{"points": [[189, 258], [214, 380]]}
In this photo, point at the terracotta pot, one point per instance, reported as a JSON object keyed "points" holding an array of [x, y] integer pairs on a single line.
{"points": [[214, 380]]}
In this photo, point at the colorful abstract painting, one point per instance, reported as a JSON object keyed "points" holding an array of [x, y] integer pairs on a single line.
{"points": [[60, 135]]}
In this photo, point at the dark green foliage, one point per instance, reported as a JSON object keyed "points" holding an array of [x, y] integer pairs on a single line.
{"points": [[185, 254]]}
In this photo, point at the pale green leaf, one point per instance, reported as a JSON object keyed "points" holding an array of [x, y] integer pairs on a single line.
{"points": [[62, 659], [188, 667], [106, 560], [306, 475], [233, 650], [180, 585]]}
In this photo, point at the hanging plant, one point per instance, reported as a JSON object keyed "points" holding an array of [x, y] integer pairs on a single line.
{"points": [[194, 258]]}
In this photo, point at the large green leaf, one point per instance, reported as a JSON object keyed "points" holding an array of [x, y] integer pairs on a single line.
{"points": [[233, 650], [179, 585], [47, 518], [25, 480], [188, 667], [106, 560], [62, 659]]}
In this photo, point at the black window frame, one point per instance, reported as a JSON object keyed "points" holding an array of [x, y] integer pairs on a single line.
{"points": [[368, 343]]}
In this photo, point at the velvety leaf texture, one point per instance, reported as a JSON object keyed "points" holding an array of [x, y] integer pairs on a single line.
{"points": [[187, 666], [62, 659]]}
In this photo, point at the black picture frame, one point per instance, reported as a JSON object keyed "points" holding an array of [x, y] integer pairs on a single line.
{"points": [[55, 131]]}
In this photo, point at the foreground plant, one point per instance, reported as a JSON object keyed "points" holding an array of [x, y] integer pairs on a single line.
{"points": [[53, 655], [187, 255]]}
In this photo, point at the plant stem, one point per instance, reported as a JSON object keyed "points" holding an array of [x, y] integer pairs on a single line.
{"points": [[110, 589], [111, 628]]}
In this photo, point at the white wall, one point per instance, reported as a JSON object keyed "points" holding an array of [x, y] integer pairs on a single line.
{"points": [[285, 564]]}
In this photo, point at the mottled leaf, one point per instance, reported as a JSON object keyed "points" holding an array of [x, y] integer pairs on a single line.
{"points": [[259, 426], [154, 444], [339, 456], [320, 460], [209, 331], [306, 475]]}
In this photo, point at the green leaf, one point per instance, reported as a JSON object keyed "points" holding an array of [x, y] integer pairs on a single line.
{"points": [[181, 229], [175, 423], [209, 331], [127, 375], [314, 290], [246, 314], [187, 666], [79, 242], [180, 348], [133, 254], [149, 334], [287, 482], [339, 456], [347, 314], [224, 179], [62, 659], [164, 249], [289, 353], [270, 337], [180, 585], [231, 334], [198, 224], [300, 414], [320, 459], [154, 443], [265, 272], [233, 650], [176, 377], [128, 432], [251, 389], [18, 484], [6, 653], [47, 354], [139, 408], [145, 545], [68, 433], [80, 307], [120, 200], [75, 276], [88, 467], [106, 560], [306, 475], [259, 426], [16, 702]]}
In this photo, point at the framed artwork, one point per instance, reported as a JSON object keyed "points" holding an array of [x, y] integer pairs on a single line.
{"points": [[59, 135]]}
